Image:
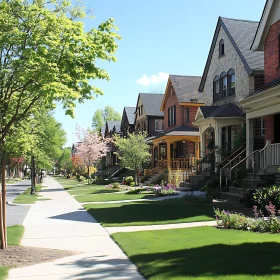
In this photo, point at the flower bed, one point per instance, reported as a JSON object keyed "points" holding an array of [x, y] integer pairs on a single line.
{"points": [[169, 189], [259, 223]]}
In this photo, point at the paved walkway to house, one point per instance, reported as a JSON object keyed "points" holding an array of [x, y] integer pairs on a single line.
{"points": [[159, 227], [61, 223]]}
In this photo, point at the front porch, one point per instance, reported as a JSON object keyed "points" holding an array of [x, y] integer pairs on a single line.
{"points": [[176, 152]]}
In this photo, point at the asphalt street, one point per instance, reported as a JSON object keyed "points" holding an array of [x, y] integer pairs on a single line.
{"points": [[16, 213]]}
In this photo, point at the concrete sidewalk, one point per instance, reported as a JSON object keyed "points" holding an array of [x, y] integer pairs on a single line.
{"points": [[61, 223], [159, 227]]}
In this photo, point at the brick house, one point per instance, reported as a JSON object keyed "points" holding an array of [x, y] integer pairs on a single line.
{"points": [[180, 139], [127, 122], [231, 72], [264, 102]]}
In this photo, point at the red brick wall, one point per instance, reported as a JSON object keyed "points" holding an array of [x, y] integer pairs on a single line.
{"points": [[271, 53], [269, 128], [170, 101], [180, 119]]}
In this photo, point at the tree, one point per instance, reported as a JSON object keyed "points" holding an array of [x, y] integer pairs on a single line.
{"points": [[133, 151], [102, 115], [63, 160], [92, 147], [46, 56]]}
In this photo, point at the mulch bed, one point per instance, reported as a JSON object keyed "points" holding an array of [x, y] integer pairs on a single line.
{"points": [[18, 256]]}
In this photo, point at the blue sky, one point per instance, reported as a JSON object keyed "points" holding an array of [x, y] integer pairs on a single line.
{"points": [[159, 37]]}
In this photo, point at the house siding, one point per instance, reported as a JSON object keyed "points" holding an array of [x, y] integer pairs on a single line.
{"points": [[218, 65], [271, 53]]}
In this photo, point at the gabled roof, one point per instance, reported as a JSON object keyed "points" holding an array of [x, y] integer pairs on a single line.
{"points": [[241, 34], [111, 124], [103, 129], [130, 114], [117, 128], [181, 131], [151, 103], [226, 110], [185, 88], [269, 16]]}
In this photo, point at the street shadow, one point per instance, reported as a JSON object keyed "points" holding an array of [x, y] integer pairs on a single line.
{"points": [[78, 216], [149, 211], [99, 266], [247, 259]]}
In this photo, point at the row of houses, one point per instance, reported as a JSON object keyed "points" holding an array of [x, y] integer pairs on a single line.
{"points": [[239, 87]]}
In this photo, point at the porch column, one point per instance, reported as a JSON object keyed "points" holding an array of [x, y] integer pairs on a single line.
{"points": [[202, 143], [168, 154], [196, 149], [249, 141], [218, 138]]}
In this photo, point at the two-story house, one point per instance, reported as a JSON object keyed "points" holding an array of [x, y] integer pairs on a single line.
{"points": [[127, 122], [180, 140], [264, 102], [148, 117], [231, 72]]}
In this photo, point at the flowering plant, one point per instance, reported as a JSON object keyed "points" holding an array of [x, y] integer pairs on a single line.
{"points": [[168, 189]]}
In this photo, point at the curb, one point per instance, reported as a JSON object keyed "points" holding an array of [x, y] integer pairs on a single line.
{"points": [[16, 204]]}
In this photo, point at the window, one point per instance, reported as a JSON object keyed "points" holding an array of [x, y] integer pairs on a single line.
{"points": [[262, 127], [140, 110], [187, 115], [158, 125], [221, 48], [172, 115], [224, 85], [216, 88], [231, 82]]}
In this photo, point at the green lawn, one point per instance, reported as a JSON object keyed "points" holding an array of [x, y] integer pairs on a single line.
{"points": [[27, 198], [203, 253], [150, 212], [14, 236], [111, 197]]}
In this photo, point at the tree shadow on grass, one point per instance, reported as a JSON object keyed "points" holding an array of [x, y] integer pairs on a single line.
{"points": [[150, 212], [249, 259]]}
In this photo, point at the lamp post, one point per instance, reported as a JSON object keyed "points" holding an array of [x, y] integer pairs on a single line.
{"points": [[32, 191]]}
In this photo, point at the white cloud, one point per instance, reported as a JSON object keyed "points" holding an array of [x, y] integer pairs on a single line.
{"points": [[146, 81]]}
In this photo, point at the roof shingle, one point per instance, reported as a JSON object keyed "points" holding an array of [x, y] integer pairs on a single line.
{"points": [[151, 103]]}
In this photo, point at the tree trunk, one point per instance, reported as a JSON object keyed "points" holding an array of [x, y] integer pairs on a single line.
{"points": [[88, 175], [3, 206], [135, 179]]}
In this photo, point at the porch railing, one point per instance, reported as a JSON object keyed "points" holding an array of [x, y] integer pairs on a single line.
{"points": [[227, 166], [179, 164]]}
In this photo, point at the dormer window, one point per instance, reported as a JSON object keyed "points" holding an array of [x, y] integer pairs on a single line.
{"points": [[221, 48]]}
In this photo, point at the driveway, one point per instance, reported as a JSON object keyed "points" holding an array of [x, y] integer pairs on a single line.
{"points": [[16, 213]]}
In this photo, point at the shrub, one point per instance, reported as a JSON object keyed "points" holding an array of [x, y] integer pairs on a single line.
{"points": [[128, 180], [263, 196], [197, 199], [169, 189], [260, 223], [247, 197], [211, 187], [116, 185], [132, 184]]}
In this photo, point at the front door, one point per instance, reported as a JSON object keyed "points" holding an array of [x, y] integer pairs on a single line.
{"points": [[277, 128]]}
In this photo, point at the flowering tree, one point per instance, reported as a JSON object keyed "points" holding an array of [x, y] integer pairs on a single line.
{"points": [[133, 151], [92, 147], [78, 164]]}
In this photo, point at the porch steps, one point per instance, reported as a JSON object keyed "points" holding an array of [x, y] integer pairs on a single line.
{"points": [[151, 179], [196, 182]]}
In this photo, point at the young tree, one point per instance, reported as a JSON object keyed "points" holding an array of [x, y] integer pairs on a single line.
{"points": [[92, 147], [102, 115], [46, 56], [133, 151]]}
